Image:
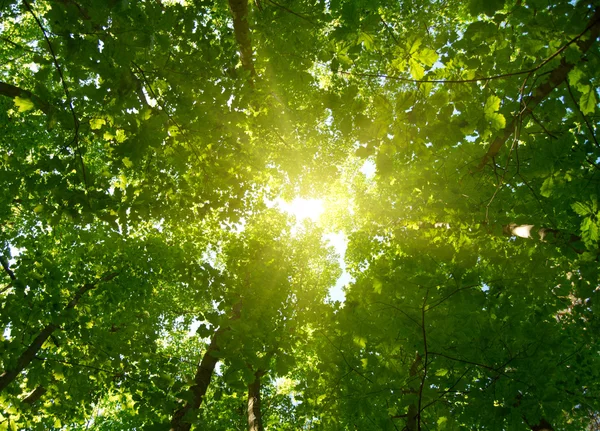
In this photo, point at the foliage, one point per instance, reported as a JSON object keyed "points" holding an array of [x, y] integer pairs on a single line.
{"points": [[145, 146]]}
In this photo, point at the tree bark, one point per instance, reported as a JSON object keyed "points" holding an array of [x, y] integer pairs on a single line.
{"points": [[254, 414], [241, 28], [557, 77], [202, 378], [8, 376]]}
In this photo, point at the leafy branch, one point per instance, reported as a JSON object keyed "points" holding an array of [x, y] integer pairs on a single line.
{"points": [[557, 77], [76, 140], [13, 92], [9, 375]]}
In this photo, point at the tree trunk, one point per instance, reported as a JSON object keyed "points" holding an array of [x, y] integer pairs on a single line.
{"points": [[241, 28], [254, 414], [8, 376], [202, 378], [412, 418], [557, 77]]}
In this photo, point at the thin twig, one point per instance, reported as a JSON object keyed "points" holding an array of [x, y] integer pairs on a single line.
{"points": [[66, 91], [291, 11], [387, 27], [345, 360], [587, 123], [528, 72]]}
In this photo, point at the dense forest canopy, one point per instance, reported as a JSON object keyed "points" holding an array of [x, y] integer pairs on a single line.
{"points": [[184, 183]]}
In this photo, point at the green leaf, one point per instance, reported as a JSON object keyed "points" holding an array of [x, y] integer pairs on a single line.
{"points": [[97, 123], [547, 187], [587, 103], [574, 76], [427, 56], [23, 104], [497, 121], [416, 70], [492, 104], [360, 341], [581, 209], [377, 285], [488, 7]]}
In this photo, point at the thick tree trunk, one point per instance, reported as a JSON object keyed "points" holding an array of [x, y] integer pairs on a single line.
{"points": [[8, 376], [557, 77], [241, 28], [202, 380], [254, 413]]}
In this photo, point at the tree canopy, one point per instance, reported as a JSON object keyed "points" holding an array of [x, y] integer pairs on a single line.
{"points": [[158, 162]]}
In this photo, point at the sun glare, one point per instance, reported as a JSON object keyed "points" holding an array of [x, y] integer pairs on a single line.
{"points": [[303, 208]]}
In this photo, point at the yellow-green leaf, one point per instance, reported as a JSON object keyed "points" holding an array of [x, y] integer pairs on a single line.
{"points": [[377, 286], [492, 104], [574, 76], [128, 163], [416, 70], [427, 56], [360, 342], [97, 123], [23, 104], [121, 136], [587, 103], [497, 120]]}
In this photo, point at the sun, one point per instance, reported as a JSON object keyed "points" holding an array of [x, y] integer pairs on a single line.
{"points": [[302, 208]]}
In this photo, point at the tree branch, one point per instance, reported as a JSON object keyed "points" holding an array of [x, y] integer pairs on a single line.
{"points": [[35, 395], [76, 142], [13, 91], [290, 11], [6, 267], [8, 376], [557, 77]]}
